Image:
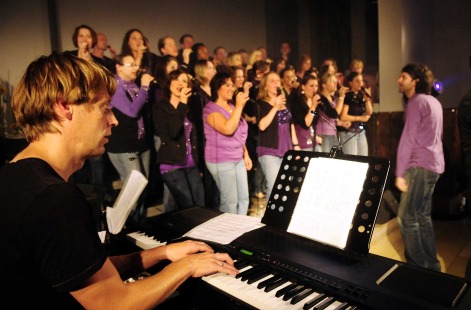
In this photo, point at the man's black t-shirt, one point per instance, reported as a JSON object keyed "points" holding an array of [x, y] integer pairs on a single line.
{"points": [[48, 237]]}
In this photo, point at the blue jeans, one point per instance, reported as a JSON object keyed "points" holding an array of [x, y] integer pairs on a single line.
{"points": [[270, 165], [357, 145], [231, 179], [328, 141], [125, 163], [186, 187], [415, 220]]}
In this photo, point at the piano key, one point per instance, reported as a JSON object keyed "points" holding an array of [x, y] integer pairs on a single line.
{"points": [[239, 264], [144, 241], [276, 284], [337, 305], [324, 303], [260, 275], [248, 273], [245, 292], [258, 298], [314, 301], [294, 292], [244, 271], [286, 289], [302, 296], [268, 281], [342, 306]]}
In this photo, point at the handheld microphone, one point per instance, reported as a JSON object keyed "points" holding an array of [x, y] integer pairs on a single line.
{"points": [[278, 91], [363, 90]]}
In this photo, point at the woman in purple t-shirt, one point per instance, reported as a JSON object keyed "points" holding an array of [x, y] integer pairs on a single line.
{"points": [[225, 153]]}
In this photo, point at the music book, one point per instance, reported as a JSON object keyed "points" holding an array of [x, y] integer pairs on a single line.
{"points": [[127, 198], [328, 199]]}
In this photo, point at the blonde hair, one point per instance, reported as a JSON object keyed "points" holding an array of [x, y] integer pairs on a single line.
{"points": [[262, 91], [256, 53], [56, 78], [200, 71]]}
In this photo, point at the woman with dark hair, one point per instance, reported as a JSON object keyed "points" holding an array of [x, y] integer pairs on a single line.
{"points": [[357, 108], [304, 103], [178, 156], [165, 65], [133, 43], [85, 39], [226, 156]]}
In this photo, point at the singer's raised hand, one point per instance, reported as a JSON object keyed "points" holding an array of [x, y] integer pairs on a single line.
{"points": [[84, 51], [241, 99], [343, 90], [146, 79], [112, 51], [185, 93], [247, 86], [280, 101]]}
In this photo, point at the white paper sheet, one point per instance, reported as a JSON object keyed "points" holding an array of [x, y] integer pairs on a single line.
{"points": [[328, 200], [225, 228], [127, 198]]}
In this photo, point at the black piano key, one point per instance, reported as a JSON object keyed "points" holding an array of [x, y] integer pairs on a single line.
{"points": [[240, 264], [268, 281], [249, 273], [254, 278], [241, 274], [272, 286], [301, 296], [324, 304], [286, 289], [311, 303], [294, 292], [343, 306]]}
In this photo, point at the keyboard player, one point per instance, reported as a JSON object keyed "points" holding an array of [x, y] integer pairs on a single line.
{"points": [[50, 247]]}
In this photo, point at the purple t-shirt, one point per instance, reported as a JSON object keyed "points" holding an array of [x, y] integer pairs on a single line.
{"points": [[221, 148]]}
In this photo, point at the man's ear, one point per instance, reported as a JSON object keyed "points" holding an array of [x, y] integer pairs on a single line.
{"points": [[64, 110]]}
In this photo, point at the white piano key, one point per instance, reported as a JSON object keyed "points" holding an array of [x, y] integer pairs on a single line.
{"points": [[144, 241]]}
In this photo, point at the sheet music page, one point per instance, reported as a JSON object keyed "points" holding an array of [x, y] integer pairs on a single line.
{"points": [[132, 189], [328, 199], [225, 228]]}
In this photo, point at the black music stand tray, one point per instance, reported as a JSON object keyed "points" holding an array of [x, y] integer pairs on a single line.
{"points": [[287, 187]]}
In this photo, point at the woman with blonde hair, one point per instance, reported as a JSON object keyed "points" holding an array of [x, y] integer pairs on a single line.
{"points": [[204, 73], [254, 56], [277, 134]]}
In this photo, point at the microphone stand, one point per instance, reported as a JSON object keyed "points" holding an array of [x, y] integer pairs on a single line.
{"points": [[336, 149]]}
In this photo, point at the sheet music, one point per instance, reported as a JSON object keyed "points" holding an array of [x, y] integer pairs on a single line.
{"points": [[225, 228], [127, 198], [328, 200]]}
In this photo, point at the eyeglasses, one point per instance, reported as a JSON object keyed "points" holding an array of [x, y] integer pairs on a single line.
{"points": [[131, 65]]}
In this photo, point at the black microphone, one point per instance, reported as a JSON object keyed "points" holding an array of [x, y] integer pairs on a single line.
{"points": [[335, 150], [363, 90]]}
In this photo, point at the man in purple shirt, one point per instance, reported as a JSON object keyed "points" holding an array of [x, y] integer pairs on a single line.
{"points": [[420, 162]]}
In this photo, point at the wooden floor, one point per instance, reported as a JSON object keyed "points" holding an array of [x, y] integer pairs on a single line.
{"points": [[453, 238]]}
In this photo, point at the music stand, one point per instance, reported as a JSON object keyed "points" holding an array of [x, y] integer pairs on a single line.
{"points": [[285, 193]]}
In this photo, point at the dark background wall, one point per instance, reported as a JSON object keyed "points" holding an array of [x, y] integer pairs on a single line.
{"points": [[386, 34]]}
